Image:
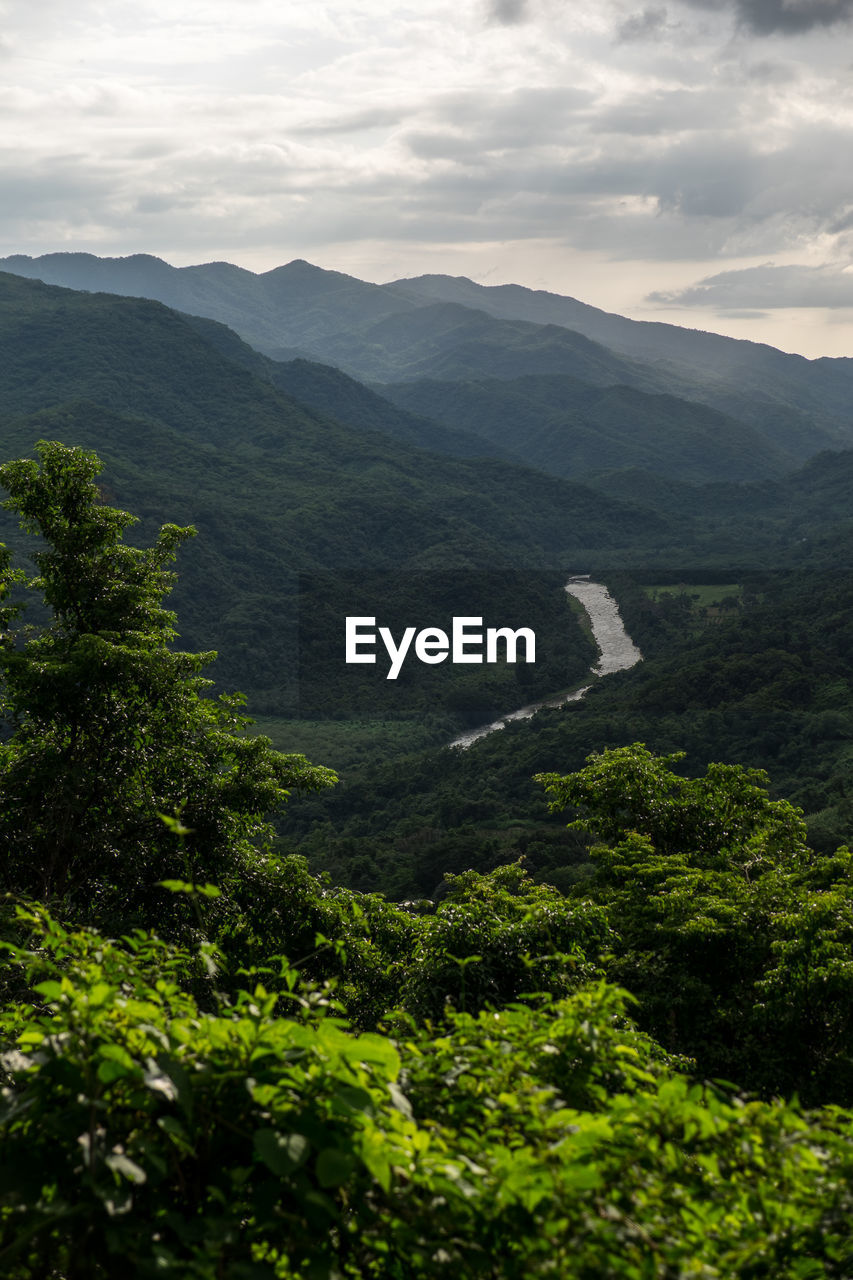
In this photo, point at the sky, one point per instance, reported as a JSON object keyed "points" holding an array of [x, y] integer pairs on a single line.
{"points": [[688, 161]]}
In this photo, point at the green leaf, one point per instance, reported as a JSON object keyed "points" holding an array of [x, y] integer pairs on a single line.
{"points": [[174, 824], [109, 1072], [50, 990], [177, 886], [282, 1153], [100, 993], [207, 890], [187, 886]]}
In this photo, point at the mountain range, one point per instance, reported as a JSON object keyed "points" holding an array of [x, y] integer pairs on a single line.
{"points": [[690, 405]]}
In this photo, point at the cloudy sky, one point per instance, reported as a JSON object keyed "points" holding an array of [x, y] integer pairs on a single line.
{"points": [[684, 160]]}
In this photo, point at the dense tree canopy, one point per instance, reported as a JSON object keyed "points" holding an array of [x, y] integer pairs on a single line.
{"points": [[732, 933], [110, 725]]}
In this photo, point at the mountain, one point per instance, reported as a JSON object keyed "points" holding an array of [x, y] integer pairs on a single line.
{"points": [[571, 428], [443, 328], [276, 489], [197, 427], [448, 341], [803, 516], [290, 306], [335, 394], [752, 380]]}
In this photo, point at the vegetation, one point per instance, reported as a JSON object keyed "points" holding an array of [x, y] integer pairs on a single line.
{"points": [[578, 429], [769, 682], [444, 695], [540, 1139], [305, 1081], [421, 1026], [349, 744], [110, 726], [449, 329]]}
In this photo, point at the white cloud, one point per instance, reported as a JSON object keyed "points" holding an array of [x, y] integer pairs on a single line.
{"points": [[766, 287], [639, 134]]}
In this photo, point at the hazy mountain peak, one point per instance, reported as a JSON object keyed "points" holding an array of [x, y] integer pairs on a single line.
{"points": [[297, 266], [301, 269], [414, 328]]}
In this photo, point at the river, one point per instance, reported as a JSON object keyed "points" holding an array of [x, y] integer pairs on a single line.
{"points": [[617, 652]]}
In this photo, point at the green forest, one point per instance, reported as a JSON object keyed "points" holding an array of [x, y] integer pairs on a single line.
{"points": [[291, 987], [217, 1064]]}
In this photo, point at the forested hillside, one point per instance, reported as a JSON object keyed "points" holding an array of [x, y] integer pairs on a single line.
{"points": [[276, 489], [767, 681], [217, 1065], [571, 428], [442, 328], [765, 381]]}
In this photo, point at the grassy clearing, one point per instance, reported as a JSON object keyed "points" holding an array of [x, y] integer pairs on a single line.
{"points": [[346, 744], [703, 595]]}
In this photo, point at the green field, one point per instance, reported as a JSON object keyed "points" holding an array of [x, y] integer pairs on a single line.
{"points": [[703, 595]]}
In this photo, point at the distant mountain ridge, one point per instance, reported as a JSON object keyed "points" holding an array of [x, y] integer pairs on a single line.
{"points": [[643, 339], [776, 410], [287, 306], [303, 305]]}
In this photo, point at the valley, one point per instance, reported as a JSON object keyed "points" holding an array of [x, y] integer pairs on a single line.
{"points": [[316, 496], [616, 652], [442, 923]]}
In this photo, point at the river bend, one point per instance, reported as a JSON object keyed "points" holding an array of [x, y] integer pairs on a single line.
{"points": [[617, 652]]}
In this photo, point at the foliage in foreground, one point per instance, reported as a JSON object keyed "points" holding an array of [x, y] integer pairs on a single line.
{"points": [[208, 1113], [732, 933], [262, 1138]]}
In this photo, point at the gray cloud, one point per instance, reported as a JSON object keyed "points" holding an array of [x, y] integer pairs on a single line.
{"points": [[479, 165], [768, 287], [507, 13], [785, 17], [843, 223], [647, 194], [466, 127], [352, 122], [60, 186], [658, 147], [765, 72], [648, 25], [667, 112]]}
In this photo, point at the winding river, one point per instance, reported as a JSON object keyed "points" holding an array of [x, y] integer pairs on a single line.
{"points": [[617, 652]]}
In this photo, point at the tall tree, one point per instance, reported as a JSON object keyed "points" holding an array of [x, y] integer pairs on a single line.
{"points": [[110, 727]]}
